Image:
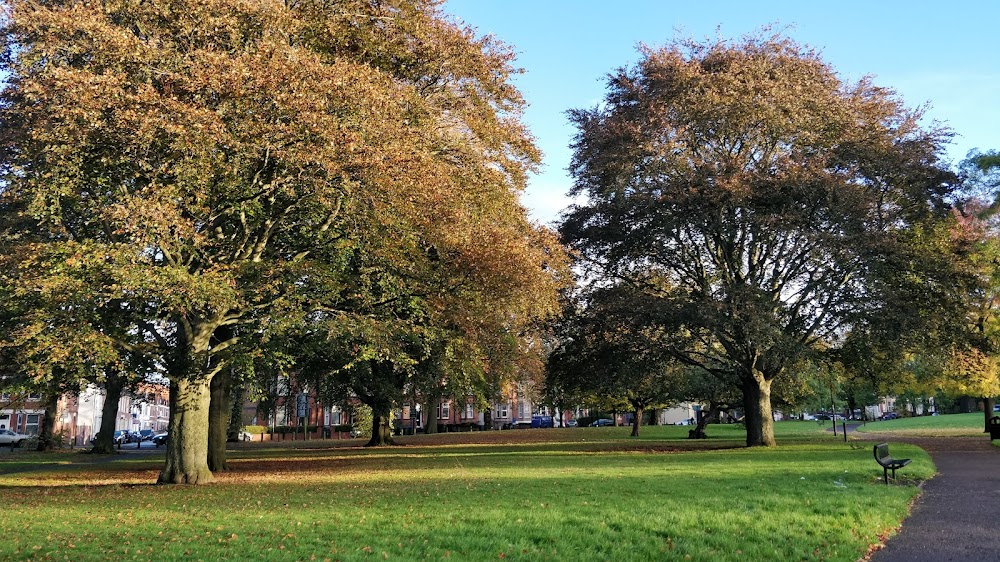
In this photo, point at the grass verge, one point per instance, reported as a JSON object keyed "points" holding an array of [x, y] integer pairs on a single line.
{"points": [[947, 425], [526, 495]]}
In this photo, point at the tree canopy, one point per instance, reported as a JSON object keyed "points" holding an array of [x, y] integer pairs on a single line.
{"points": [[765, 202], [207, 170], [606, 351]]}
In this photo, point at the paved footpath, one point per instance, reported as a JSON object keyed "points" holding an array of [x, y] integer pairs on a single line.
{"points": [[958, 515]]}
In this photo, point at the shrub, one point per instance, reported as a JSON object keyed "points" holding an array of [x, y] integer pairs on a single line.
{"points": [[363, 420]]}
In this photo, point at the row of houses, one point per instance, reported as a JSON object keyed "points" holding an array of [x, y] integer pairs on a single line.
{"points": [[79, 416], [516, 409]]}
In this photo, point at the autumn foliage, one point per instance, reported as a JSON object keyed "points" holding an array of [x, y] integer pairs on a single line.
{"points": [[765, 203], [191, 174]]}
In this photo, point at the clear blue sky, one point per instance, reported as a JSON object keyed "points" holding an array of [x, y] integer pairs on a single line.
{"points": [[943, 54]]}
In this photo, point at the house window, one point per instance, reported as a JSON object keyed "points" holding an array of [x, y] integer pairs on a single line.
{"points": [[31, 426], [4, 396], [444, 411], [504, 410], [469, 411], [282, 386], [34, 396], [520, 409]]}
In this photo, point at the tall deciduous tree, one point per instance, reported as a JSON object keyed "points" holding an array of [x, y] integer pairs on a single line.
{"points": [[770, 195], [607, 351], [971, 367], [209, 159]]}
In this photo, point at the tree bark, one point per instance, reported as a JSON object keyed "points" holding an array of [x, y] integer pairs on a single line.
{"points": [[187, 446], [381, 430], [757, 410], [46, 437], [701, 420], [219, 412], [637, 421], [104, 444], [432, 418], [987, 413]]}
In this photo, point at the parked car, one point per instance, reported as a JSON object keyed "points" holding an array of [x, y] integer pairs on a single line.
{"points": [[160, 439], [602, 422], [121, 436], [241, 436], [12, 439], [571, 423], [890, 416], [146, 434]]}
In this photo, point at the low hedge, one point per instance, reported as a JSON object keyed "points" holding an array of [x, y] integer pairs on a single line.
{"points": [[288, 429]]}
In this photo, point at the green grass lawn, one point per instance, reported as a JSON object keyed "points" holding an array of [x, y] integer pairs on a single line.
{"points": [[947, 425], [585, 494]]}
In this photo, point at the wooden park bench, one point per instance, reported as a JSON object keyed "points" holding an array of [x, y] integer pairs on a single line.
{"points": [[888, 463]]}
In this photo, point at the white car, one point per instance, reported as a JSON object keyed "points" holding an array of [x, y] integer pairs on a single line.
{"points": [[8, 437]]}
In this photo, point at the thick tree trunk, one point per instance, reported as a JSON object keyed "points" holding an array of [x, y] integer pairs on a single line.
{"points": [[987, 413], [219, 412], [701, 420], [105, 442], [431, 426], [757, 410], [637, 422], [381, 430], [187, 447], [236, 410], [46, 437]]}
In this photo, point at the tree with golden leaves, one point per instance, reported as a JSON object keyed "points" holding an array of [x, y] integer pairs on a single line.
{"points": [[208, 161]]}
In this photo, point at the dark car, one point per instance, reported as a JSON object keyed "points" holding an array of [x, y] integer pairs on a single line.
{"points": [[160, 439], [602, 422], [890, 416], [146, 434]]}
